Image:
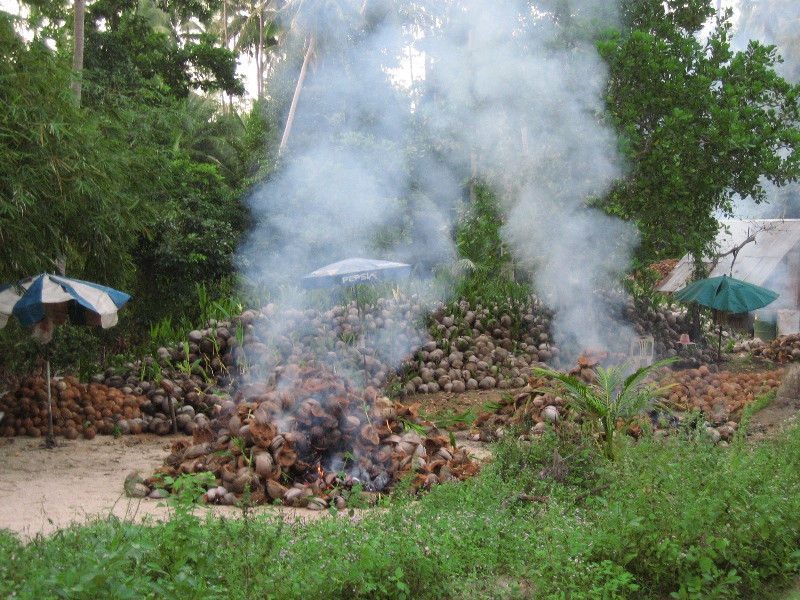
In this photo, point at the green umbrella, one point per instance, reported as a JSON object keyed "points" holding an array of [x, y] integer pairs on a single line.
{"points": [[726, 294]]}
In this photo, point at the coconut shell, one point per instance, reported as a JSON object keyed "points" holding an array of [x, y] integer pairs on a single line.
{"points": [[264, 464], [286, 456], [275, 490], [196, 451], [245, 480], [262, 434], [369, 435]]}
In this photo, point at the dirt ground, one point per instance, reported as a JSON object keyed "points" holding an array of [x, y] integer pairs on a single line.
{"points": [[42, 490]]}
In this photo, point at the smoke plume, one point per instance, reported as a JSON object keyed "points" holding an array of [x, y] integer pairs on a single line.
{"points": [[504, 98]]}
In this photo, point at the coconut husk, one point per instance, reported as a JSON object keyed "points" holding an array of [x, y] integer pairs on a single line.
{"points": [[275, 490], [370, 435], [286, 456]]}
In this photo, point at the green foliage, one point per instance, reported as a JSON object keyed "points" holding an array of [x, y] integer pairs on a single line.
{"points": [[699, 124], [123, 42], [612, 396], [174, 157], [449, 418], [136, 187], [193, 241], [65, 187], [485, 259], [732, 510], [185, 490], [670, 518], [76, 350], [259, 137], [164, 334]]}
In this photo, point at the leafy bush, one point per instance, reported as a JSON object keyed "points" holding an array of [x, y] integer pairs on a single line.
{"points": [[484, 273], [702, 521], [73, 349]]}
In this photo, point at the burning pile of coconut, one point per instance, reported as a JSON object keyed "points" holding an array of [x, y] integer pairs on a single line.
{"points": [[467, 348], [309, 438], [464, 348]]}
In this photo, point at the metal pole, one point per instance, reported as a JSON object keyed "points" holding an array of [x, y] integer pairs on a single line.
{"points": [[51, 440], [361, 339]]}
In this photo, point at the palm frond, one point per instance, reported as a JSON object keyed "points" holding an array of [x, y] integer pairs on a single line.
{"points": [[612, 395]]}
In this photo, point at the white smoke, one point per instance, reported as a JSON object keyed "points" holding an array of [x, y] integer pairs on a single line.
{"points": [[503, 94]]}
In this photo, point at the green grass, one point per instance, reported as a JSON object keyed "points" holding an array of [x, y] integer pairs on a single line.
{"points": [[759, 403], [668, 519]]}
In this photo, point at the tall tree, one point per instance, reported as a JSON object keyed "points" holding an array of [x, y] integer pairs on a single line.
{"points": [[77, 58], [123, 46], [258, 32], [317, 19], [774, 22], [699, 124]]}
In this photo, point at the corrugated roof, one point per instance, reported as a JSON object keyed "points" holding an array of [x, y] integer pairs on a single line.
{"points": [[755, 262]]}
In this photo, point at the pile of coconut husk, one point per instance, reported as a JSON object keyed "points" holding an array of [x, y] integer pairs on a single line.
{"points": [[708, 395], [308, 437], [535, 404], [398, 345], [110, 405], [784, 349], [78, 410], [416, 349]]}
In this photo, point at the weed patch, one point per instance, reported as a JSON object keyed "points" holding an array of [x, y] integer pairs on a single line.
{"points": [[670, 518]]}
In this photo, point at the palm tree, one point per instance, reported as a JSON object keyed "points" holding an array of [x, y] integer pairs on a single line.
{"points": [[253, 27], [612, 396], [209, 137], [308, 18]]}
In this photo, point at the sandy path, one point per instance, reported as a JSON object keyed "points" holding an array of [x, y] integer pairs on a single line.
{"points": [[42, 490]]}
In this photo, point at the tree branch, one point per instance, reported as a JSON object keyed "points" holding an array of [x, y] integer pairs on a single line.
{"points": [[751, 237]]}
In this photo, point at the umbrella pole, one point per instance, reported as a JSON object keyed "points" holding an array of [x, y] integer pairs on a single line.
{"points": [[360, 337], [51, 440]]}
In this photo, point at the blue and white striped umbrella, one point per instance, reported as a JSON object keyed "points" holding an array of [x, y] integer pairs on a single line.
{"points": [[46, 300], [60, 299]]}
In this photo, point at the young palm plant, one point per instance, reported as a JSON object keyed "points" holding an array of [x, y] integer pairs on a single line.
{"points": [[612, 396]]}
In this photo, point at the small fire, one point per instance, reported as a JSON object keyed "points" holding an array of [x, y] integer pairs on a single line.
{"points": [[591, 357]]}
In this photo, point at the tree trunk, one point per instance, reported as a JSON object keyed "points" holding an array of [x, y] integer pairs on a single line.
{"points": [[293, 108], [227, 47], [77, 56], [695, 328], [260, 55]]}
